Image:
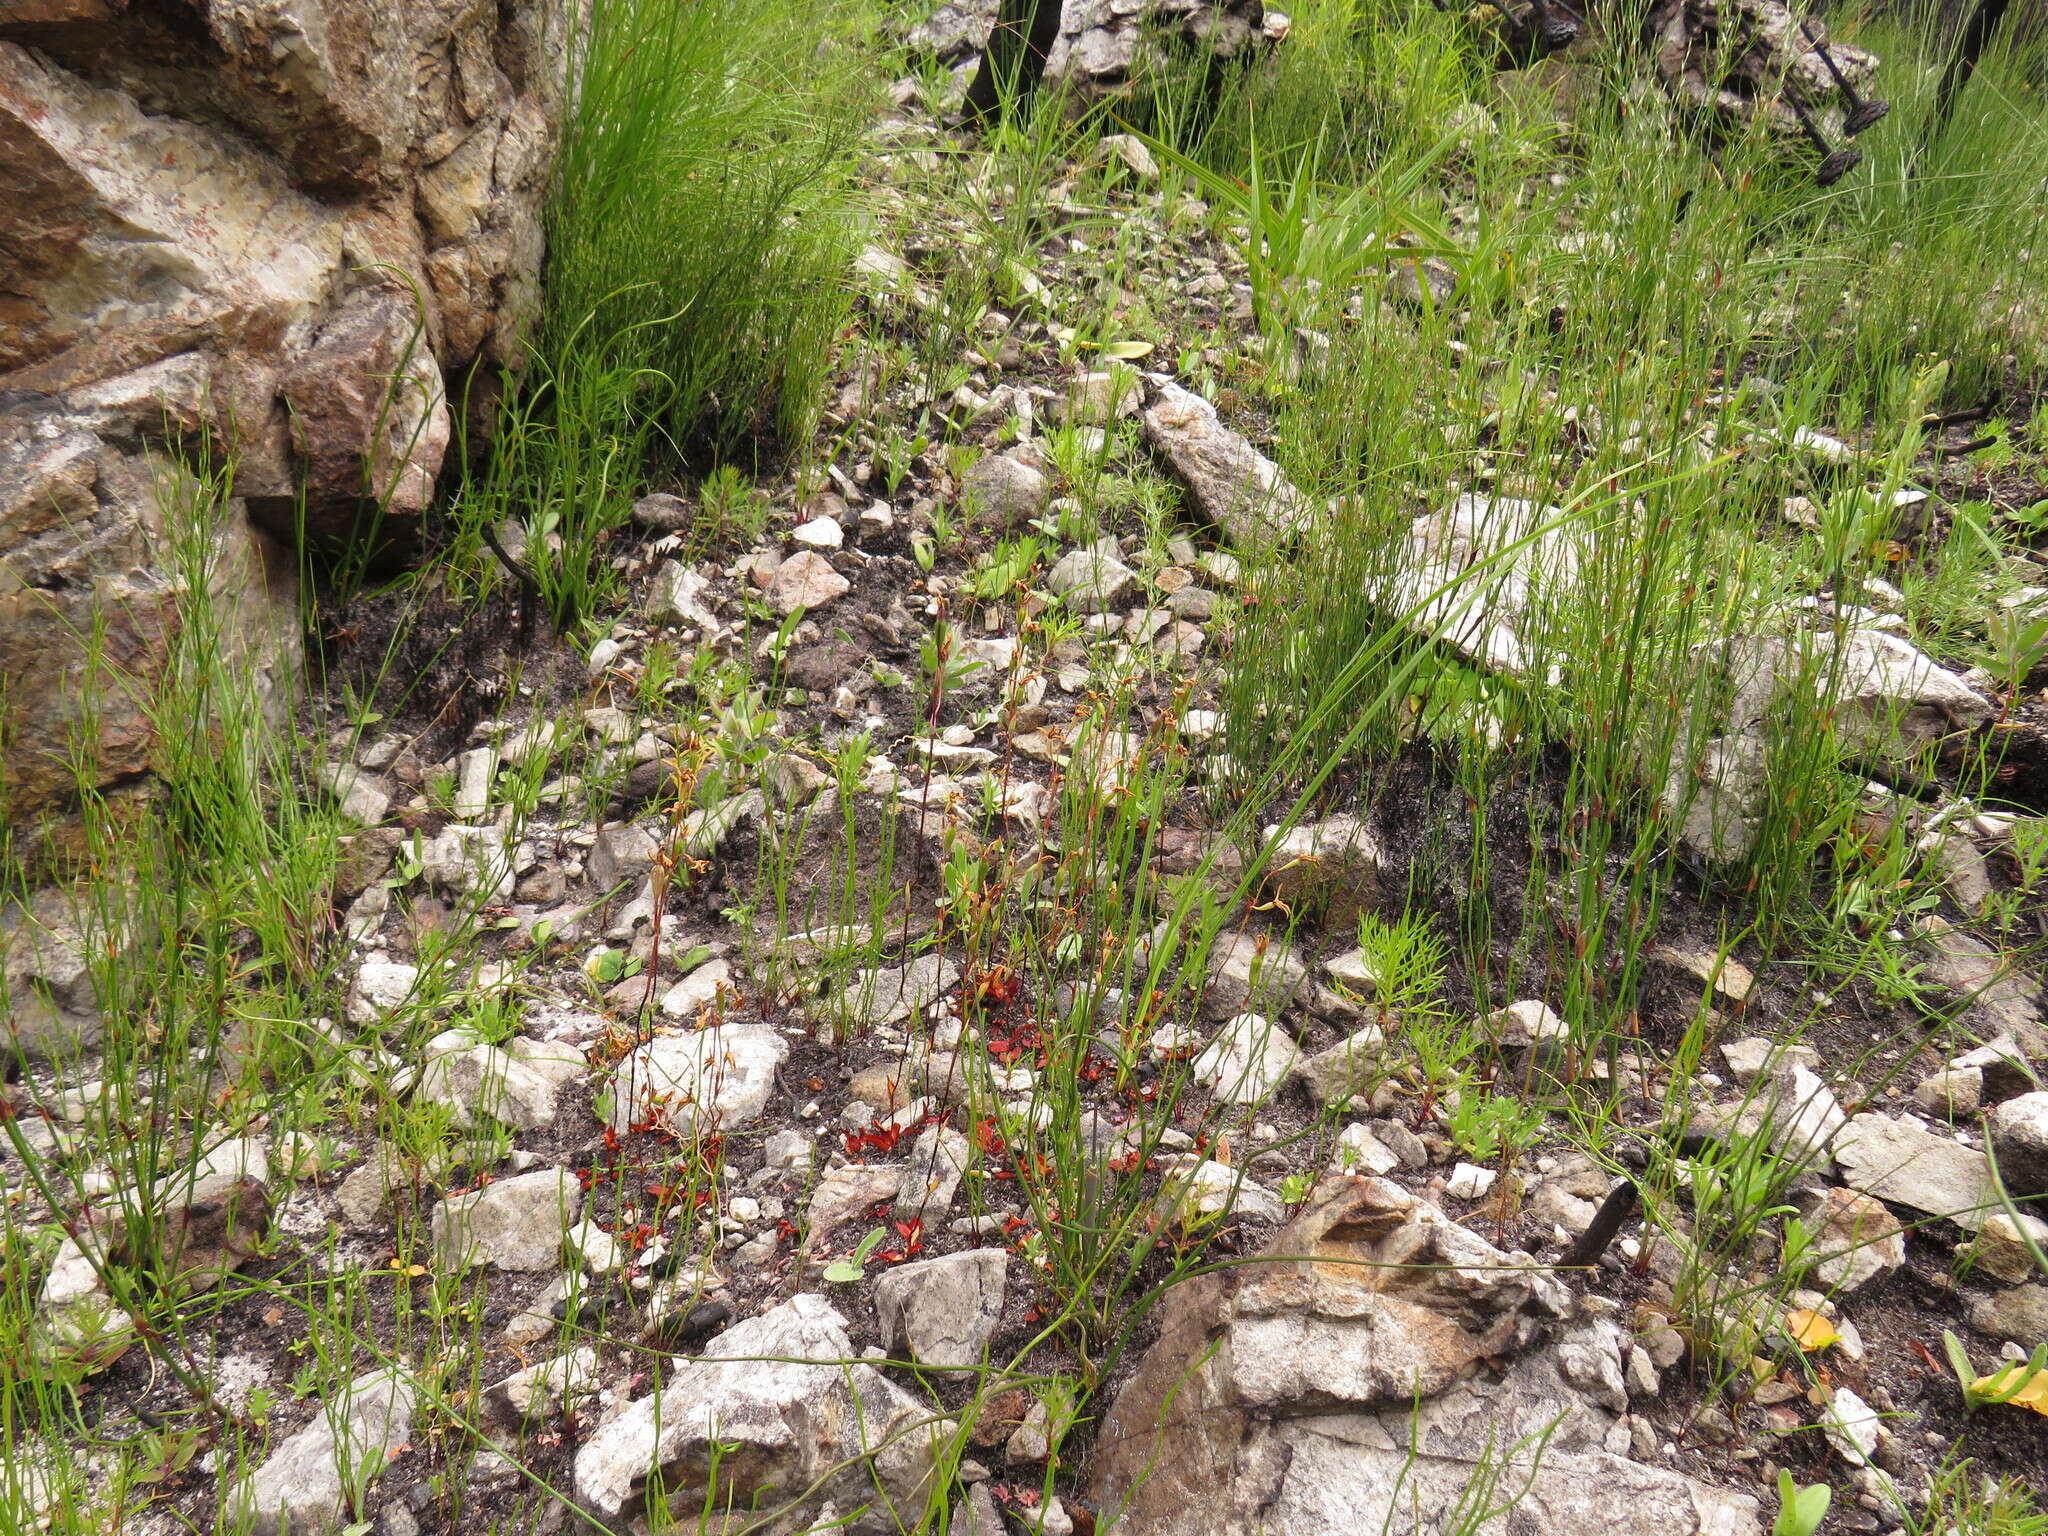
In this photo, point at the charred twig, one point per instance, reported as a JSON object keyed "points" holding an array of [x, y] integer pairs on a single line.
{"points": [[1834, 163], [1862, 113], [1619, 1205], [529, 589]]}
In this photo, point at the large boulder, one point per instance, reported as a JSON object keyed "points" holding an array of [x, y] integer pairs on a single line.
{"points": [[1352, 1389], [294, 229]]}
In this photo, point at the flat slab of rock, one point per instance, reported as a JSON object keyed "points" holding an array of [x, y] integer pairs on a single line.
{"points": [[472, 1080], [805, 580], [300, 1487], [705, 1079], [1248, 1060], [1251, 973], [1904, 1163], [944, 1311], [515, 1224], [891, 994], [1235, 486], [784, 1410]]}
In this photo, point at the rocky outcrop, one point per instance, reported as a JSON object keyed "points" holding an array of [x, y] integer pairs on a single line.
{"points": [[1322, 1394], [1104, 47], [294, 229]]}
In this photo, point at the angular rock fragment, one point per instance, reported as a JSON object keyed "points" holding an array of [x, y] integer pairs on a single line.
{"points": [[1333, 1394], [893, 993], [696, 1082], [1330, 869], [1856, 1241], [781, 1410], [2019, 1136], [474, 1080], [1232, 484], [1251, 973], [1903, 1163], [1247, 1061], [306, 1483], [513, 1224], [1005, 489], [945, 1310]]}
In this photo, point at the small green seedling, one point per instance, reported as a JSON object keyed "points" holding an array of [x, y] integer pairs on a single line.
{"points": [[850, 1269], [1800, 1510], [2015, 1383]]}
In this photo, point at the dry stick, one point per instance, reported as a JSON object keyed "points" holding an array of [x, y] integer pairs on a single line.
{"points": [[1619, 1205]]}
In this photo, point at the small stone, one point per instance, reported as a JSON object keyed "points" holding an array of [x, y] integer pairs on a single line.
{"points": [[362, 796], [843, 1193], [2019, 1314], [2003, 1067], [542, 1390], [1468, 1181], [2018, 1132], [1100, 397], [1852, 1427], [1855, 1239], [664, 513], [945, 1310], [939, 1159], [305, 1482], [694, 994], [1527, 1023], [1953, 1093], [514, 1224], [790, 782], [474, 772], [1194, 1186], [691, 1083], [1555, 1206], [2000, 1248], [1747, 1059], [1089, 580], [595, 1249], [1248, 1060], [805, 580], [1131, 150], [1359, 1151], [1005, 490], [677, 595], [820, 533], [1722, 973], [380, 988], [1643, 1378], [621, 854], [1353, 973]]}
